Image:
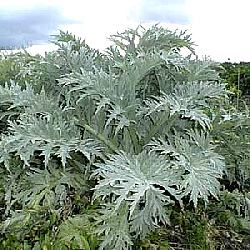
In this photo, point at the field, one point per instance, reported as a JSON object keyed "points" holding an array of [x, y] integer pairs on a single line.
{"points": [[136, 147]]}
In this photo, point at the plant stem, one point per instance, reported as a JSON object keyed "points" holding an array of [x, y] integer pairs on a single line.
{"points": [[134, 138], [159, 126], [100, 137]]}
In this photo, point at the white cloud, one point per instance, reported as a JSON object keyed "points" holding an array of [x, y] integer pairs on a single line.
{"points": [[99, 19], [23, 5], [220, 28]]}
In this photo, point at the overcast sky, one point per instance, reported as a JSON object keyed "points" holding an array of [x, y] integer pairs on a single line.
{"points": [[218, 27]]}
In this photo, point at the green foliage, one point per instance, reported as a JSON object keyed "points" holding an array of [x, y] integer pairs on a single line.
{"points": [[139, 181], [75, 233], [200, 166], [237, 77], [98, 149]]}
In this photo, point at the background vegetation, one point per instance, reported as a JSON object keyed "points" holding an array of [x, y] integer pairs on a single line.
{"points": [[137, 147], [237, 77]]}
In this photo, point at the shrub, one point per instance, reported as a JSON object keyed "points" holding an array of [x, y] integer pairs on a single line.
{"points": [[112, 141]]}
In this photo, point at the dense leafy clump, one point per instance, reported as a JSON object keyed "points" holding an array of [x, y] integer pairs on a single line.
{"points": [[237, 76], [106, 150]]}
